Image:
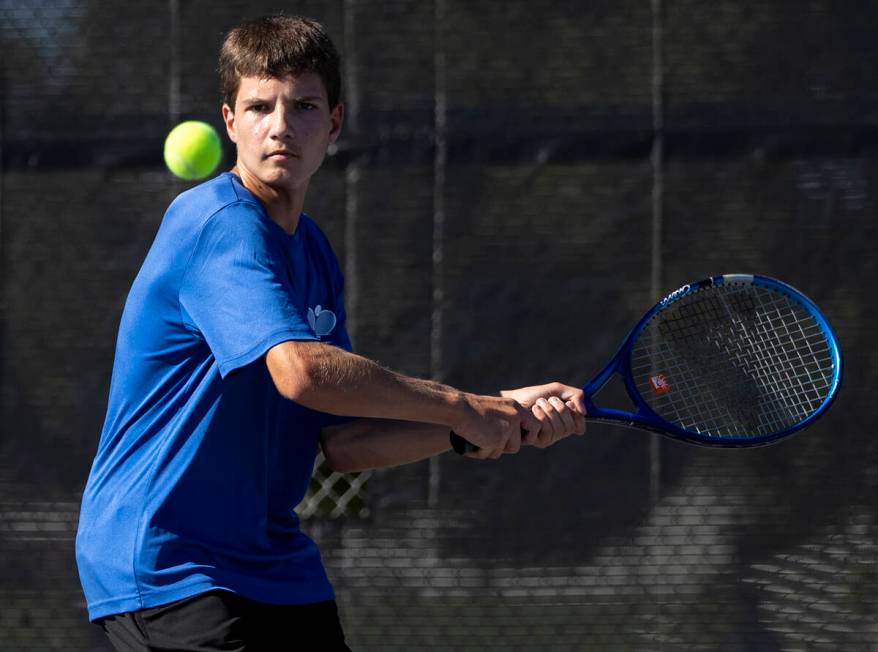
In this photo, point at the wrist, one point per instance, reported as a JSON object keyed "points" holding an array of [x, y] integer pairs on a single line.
{"points": [[460, 409]]}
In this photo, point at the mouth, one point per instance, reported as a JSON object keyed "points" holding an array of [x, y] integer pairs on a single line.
{"points": [[282, 154]]}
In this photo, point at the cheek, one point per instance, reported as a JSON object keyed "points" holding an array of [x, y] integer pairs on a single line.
{"points": [[313, 126], [252, 136], [317, 136], [256, 129]]}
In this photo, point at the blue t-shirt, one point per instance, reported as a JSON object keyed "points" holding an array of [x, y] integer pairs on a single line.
{"points": [[201, 461]]}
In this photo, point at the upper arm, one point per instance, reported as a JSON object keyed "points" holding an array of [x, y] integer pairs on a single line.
{"points": [[235, 290]]}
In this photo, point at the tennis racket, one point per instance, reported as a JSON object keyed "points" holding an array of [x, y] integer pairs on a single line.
{"points": [[731, 361]]}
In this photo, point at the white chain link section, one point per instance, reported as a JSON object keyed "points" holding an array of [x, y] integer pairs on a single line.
{"points": [[332, 494]]}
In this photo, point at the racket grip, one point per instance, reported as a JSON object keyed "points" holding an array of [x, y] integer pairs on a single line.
{"points": [[461, 446]]}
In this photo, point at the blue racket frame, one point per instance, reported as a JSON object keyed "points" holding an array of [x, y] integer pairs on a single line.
{"points": [[643, 417]]}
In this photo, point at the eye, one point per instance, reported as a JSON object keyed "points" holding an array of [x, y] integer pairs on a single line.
{"points": [[305, 106], [258, 108]]}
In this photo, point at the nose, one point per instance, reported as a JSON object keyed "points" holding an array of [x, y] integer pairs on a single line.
{"points": [[281, 124]]}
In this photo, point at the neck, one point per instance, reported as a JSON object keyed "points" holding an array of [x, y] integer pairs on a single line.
{"points": [[284, 205]]}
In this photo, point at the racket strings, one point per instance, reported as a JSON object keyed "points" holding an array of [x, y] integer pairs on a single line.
{"points": [[776, 367], [772, 366], [733, 361], [790, 371]]}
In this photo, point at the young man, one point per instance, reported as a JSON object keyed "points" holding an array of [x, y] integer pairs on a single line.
{"points": [[233, 364]]}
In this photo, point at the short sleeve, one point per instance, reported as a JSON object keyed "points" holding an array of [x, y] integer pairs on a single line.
{"points": [[236, 291], [341, 339]]}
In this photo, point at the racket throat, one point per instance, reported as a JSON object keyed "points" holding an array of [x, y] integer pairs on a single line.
{"points": [[610, 385]]}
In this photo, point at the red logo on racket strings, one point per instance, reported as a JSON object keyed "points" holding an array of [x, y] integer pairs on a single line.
{"points": [[659, 384]]}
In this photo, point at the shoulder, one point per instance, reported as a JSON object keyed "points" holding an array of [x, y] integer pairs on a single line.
{"points": [[211, 216], [219, 199], [221, 223]]}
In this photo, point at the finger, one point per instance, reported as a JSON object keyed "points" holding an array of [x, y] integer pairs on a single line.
{"points": [[546, 427], [485, 454], [578, 419], [552, 426], [577, 397], [531, 435], [478, 453], [531, 422], [558, 420], [498, 450], [487, 450], [535, 437], [504, 440], [565, 414]]}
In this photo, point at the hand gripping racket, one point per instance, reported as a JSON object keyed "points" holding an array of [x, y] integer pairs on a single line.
{"points": [[731, 361]]}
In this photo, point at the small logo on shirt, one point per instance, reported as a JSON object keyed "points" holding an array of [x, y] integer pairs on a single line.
{"points": [[321, 321]]}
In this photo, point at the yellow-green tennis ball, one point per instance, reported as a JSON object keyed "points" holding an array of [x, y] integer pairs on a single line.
{"points": [[193, 150]]}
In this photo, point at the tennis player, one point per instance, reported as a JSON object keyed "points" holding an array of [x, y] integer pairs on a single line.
{"points": [[233, 365]]}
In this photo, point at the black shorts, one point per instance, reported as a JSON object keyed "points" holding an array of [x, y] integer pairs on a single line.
{"points": [[220, 620]]}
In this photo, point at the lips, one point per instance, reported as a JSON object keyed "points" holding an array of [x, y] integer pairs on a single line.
{"points": [[282, 153]]}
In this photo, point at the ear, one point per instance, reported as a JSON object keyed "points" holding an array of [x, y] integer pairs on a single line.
{"points": [[231, 126], [336, 119]]}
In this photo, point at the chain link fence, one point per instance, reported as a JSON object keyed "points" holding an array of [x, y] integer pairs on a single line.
{"points": [[516, 183], [332, 494]]}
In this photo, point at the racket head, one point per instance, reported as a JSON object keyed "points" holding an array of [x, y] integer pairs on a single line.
{"points": [[735, 360]]}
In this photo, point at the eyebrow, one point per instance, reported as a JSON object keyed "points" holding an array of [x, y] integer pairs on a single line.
{"points": [[309, 98], [301, 98]]}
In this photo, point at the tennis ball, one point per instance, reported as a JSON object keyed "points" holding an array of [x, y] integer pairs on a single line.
{"points": [[193, 150]]}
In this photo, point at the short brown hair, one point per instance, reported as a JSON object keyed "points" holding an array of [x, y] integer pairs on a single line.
{"points": [[276, 46]]}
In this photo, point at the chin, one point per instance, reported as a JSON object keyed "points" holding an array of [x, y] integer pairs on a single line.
{"points": [[281, 179]]}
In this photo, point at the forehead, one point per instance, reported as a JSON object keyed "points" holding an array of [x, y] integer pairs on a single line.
{"points": [[306, 84]]}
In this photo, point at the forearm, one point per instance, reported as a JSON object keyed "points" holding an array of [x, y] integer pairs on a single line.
{"points": [[380, 443], [332, 380]]}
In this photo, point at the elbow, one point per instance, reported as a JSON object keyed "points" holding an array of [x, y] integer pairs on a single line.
{"points": [[295, 387], [292, 372]]}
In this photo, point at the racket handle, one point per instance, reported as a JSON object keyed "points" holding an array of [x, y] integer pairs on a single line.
{"points": [[461, 446]]}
